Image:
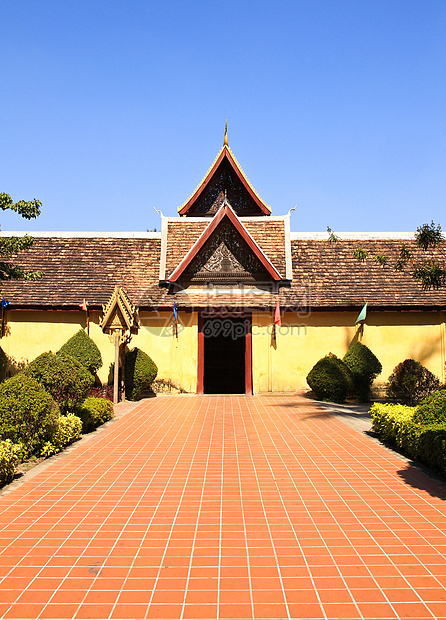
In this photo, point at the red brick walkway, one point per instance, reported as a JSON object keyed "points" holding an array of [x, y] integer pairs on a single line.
{"points": [[225, 507]]}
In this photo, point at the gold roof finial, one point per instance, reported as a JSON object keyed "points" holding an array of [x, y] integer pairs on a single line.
{"points": [[225, 141]]}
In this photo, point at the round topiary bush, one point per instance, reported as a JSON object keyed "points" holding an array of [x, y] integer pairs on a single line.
{"points": [[93, 412], [28, 414], [63, 377], [140, 371], [84, 350], [410, 382], [365, 367], [432, 410], [330, 379]]}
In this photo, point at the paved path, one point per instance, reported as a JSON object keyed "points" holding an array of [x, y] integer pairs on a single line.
{"points": [[225, 507]]}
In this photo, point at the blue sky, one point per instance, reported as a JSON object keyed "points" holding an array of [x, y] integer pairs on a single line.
{"points": [[110, 108]]}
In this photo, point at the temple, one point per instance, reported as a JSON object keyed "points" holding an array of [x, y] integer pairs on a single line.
{"points": [[228, 299]]}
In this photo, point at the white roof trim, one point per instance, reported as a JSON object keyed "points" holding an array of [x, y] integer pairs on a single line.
{"points": [[81, 235], [321, 236]]}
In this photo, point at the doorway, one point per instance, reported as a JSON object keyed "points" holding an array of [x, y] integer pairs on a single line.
{"points": [[224, 355]]}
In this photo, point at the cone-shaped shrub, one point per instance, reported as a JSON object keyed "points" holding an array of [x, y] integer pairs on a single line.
{"points": [[84, 350], [140, 371], [410, 382], [330, 379], [365, 367]]}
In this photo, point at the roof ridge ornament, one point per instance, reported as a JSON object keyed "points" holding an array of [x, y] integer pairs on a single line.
{"points": [[225, 141]]}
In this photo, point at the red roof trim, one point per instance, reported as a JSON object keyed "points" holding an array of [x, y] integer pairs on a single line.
{"points": [[225, 211], [224, 153]]}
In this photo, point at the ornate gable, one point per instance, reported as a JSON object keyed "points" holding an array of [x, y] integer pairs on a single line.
{"points": [[224, 180], [225, 252]]}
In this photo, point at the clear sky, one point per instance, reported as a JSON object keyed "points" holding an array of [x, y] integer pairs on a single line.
{"points": [[112, 107]]}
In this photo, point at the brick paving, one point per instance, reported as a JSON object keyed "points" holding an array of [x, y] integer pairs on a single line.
{"points": [[225, 507]]}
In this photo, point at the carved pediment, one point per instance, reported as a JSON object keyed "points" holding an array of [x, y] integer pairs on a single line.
{"points": [[225, 256], [225, 250]]}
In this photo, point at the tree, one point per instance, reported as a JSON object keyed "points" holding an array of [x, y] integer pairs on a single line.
{"points": [[11, 245], [429, 270]]}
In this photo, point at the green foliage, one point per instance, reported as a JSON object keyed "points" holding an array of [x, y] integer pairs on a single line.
{"points": [[84, 350], [431, 275], [28, 414], [69, 428], [63, 377], [93, 412], [432, 410], [429, 235], [140, 371], [330, 379], [365, 367], [381, 259], [397, 425], [28, 209], [410, 382], [360, 254], [9, 459], [11, 245]]}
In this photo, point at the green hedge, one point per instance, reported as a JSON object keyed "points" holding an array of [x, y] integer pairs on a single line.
{"points": [[432, 410], [423, 442], [140, 371], [28, 414], [63, 377], [84, 350], [330, 379], [9, 459], [93, 412], [365, 367]]}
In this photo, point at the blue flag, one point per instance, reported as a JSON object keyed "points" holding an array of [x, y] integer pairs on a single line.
{"points": [[175, 311], [5, 303]]}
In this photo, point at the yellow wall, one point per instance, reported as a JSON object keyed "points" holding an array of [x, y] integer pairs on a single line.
{"points": [[28, 334], [279, 365]]}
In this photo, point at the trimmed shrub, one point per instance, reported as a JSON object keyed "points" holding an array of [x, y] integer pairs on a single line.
{"points": [[365, 367], [93, 412], [432, 410], [426, 443], [9, 459], [140, 371], [410, 382], [330, 379], [69, 429], [84, 350], [389, 422], [63, 377], [28, 414]]}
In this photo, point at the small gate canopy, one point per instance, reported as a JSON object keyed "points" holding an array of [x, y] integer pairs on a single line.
{"points": [[119, 313]]}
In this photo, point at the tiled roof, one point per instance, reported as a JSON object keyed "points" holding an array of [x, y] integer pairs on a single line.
{"points": [[324, 275]]}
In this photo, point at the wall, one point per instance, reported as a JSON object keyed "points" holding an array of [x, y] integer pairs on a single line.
{"points": [[28, 334], [281, 365]]}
